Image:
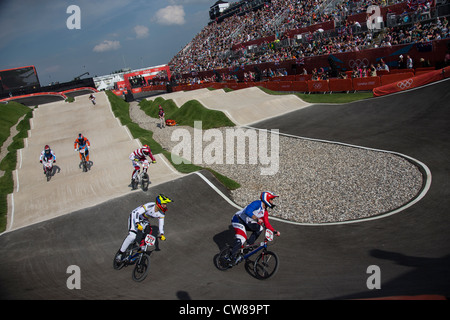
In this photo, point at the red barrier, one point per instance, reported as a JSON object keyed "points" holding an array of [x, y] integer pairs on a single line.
{"points": [[382, 72], [391, 78], [58, 94], [238, 86], [318, 86], [271, 85], [285, 86], [396, 71], [368, 83], [216, 85], [425, 69], [300, 86], [336, 85], [412, 82], [303, 77], [283, 78], [80, 89], [418, 73], [117, 92]]}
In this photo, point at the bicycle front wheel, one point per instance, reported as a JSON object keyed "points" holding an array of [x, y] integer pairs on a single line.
{"points": [[85, 168], [266, 265], [141, 268]]}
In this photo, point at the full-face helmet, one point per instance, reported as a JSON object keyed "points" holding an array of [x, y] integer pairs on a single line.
{"points": [[267, 197], [161, 202]]}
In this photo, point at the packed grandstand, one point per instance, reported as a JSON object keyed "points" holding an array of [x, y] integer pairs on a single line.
{"points": [[257, 39]]}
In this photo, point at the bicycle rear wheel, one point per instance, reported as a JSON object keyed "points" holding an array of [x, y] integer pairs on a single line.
{"points": [[141, 268], [266, 265], [222, 259], [145, 181]]}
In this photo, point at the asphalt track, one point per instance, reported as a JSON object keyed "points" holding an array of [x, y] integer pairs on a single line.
{"points": [[411, 248]]}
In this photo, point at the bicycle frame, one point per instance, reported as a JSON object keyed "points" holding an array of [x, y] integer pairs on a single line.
{"points": [[149, 241], [263, 245], [48, 164], [48, 167], [265, 264], [82, 150]]}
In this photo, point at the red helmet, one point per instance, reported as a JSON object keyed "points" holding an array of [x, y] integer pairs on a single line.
{"points": [[146, 150], [47, 148], [267, 198]]}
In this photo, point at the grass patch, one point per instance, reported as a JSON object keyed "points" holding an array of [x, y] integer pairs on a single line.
{"points": [[325, 98], [121, 110], [188, 113], [9, 116]]}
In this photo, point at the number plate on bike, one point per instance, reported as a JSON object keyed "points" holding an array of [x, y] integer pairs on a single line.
{"points": [[269, 235], [150, 240]]}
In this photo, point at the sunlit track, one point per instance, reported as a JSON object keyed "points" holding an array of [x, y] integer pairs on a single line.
{"points": [[58, 124], [410, 248]]}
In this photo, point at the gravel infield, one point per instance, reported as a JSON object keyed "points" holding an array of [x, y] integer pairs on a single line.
{"points": [[318, 182]]}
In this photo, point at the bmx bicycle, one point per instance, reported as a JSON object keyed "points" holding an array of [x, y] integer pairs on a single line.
{"points": [[141, 178], [139, 256], [48, 168], [265, 265], [84, 163]]}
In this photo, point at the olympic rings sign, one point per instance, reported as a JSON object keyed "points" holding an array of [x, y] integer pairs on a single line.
{"points": [[317, 85], [405, 84], [358, 63]]}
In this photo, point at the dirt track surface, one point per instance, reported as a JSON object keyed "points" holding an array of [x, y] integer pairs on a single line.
{"points": [[58, 125]]}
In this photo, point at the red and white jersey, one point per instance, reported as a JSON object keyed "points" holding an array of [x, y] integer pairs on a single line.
{"points": [[140, 156]]}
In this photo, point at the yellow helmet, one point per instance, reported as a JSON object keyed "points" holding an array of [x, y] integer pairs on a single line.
{"points": [[162, 199]]}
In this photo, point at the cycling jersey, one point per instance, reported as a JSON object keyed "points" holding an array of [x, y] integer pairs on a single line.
{"points": [[47, 156], [254, 208], [81, 143], [142, 214], [140, 156]]}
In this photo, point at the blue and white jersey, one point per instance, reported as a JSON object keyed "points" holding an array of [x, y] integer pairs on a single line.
{"points": [[254, 208]]}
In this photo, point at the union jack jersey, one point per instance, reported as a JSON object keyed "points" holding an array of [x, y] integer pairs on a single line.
{"points": [[140, 156]]}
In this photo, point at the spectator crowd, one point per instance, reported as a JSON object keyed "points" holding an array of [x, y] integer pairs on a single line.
{"points": [[212, 48]]}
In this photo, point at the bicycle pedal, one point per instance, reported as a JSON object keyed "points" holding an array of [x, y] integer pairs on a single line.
{"points": [[238, 259]]}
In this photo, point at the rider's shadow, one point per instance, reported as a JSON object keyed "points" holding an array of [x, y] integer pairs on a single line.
{"points": [[89, 164], [55, 169], [225, 237]]}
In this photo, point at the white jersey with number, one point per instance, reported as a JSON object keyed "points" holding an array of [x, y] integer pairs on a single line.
{"points": [[141, 214]]}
